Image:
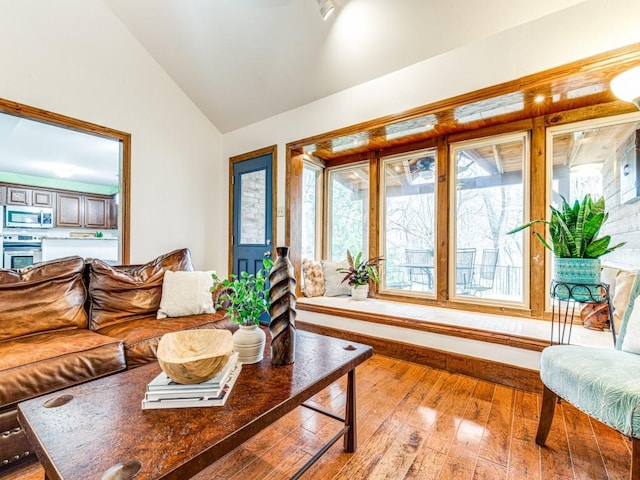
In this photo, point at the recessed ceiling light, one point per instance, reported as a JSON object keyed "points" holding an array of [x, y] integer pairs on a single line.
{"points": [[326, 8], [63, 171]]}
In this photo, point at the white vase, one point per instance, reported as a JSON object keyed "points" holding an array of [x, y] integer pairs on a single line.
{"points": [[249, 342], [359, 292]]}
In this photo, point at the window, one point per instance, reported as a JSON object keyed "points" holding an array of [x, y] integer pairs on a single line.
{"points": [[485, 264], [409, 221], [311, 211], [348, 209], [601, 157]]}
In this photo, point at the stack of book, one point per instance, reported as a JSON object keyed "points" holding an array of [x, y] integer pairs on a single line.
{"points": [[162, 392]]}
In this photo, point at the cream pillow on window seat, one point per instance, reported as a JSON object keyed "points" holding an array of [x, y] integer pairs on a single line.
{"points": [[333, 285], [186, 293]]}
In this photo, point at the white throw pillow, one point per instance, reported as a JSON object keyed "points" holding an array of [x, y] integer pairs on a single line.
{"points": [[631, 342], [186, 293], [332, 279]]}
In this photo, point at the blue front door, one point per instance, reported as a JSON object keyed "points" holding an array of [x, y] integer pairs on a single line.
{"points": [[252, 213]]}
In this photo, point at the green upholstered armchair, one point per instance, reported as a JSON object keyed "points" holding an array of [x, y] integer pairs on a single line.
{"points": [[604, 384]]}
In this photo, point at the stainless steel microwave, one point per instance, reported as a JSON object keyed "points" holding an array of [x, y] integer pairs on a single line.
{"points": [[28, 217]]}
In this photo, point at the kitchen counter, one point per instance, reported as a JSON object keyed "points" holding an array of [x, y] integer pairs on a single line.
{"points": [[60, 237], [103, 248]]}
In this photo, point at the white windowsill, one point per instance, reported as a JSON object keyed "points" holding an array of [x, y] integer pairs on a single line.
{"points": [[537, 329]]}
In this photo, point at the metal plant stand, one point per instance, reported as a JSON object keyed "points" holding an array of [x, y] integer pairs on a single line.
{"points": [[567, 295]]}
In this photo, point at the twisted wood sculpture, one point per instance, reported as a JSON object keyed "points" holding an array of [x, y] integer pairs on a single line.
{"points": [[282, 309]]}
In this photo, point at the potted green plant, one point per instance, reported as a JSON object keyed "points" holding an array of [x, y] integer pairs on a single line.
{"points": [[359, 273], [246, 297], [576, 246]]}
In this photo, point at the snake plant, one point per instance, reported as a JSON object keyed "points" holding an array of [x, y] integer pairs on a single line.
{"points": [[573, 229]]}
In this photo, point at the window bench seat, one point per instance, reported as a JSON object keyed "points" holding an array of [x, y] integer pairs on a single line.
{"points": [[499, 348]]}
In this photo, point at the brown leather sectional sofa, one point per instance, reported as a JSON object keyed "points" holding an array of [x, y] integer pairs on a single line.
{"points": [[69, 321]]}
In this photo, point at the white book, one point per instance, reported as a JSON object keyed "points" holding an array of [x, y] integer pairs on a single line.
{"points": [[202, 401], [163, 383], [192, 393]]}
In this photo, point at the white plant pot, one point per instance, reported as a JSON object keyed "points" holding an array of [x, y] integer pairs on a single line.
{"points": [[360, 292], [249, 342]]}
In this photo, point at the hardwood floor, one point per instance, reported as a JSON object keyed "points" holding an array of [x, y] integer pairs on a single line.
{"points": [[417, 422]]}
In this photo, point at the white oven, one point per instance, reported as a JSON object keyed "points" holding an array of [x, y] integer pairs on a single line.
{"points": [[20, 251]]}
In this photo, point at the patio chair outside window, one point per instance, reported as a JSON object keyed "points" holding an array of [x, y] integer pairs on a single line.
{"points": [[465, 258], [487, 272], [420, 266]]}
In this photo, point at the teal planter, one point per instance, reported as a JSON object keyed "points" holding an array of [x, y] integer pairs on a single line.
{"points": [[582, 276]]}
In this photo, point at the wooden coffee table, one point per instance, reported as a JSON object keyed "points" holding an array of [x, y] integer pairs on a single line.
{"points": [[98, 430]]}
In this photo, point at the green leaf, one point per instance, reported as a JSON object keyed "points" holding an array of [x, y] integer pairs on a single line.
{"points": [[598, 247], [350, 259], [526, 225], [592, 227]]}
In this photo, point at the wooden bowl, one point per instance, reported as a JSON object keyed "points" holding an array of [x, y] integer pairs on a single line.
{"points": [[194, 356]]}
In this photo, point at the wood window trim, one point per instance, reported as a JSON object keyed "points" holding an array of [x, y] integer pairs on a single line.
{"points": [[327, 196], [509, 136], [318, 170], [536, 125], [383, 160]]}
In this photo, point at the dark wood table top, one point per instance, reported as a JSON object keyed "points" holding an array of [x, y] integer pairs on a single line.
{"points": [[104, 425]]}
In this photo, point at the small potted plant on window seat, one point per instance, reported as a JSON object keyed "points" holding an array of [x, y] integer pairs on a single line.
{"points": [[576, 247], [246, 298], [359, 273]]}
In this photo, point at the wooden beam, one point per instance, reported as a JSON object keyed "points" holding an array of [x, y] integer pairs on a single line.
{"points": [[537, 209], [442, 222], [374, 210], [293, 211]]}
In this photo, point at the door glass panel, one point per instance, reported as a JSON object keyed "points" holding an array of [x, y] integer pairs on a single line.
{"points": [[253, 189], [409, 222], [348, 211], [490, 201]]}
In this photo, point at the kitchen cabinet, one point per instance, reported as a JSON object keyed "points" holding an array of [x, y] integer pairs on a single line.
{"points": [[69, 210], [40, 198], [84, 211], [96, 212], [29, 197]]}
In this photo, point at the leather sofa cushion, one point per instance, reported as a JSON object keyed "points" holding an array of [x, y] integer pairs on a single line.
{"points": [[37, 364], [141, 336], [120, 294], [43, 297]]}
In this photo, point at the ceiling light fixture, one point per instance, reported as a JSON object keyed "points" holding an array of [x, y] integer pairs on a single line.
{"points": [[626, 86], [63, 171], [326, 8]]}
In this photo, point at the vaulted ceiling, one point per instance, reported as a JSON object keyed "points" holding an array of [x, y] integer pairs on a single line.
{"points": [[241, 61]]}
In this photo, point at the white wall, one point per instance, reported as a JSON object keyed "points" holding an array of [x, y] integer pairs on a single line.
{"points": [[572, 34], [74, 57]]}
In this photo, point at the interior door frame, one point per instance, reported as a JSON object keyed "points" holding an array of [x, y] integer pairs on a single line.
{"points": [[63, 121], [273, 150]]}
